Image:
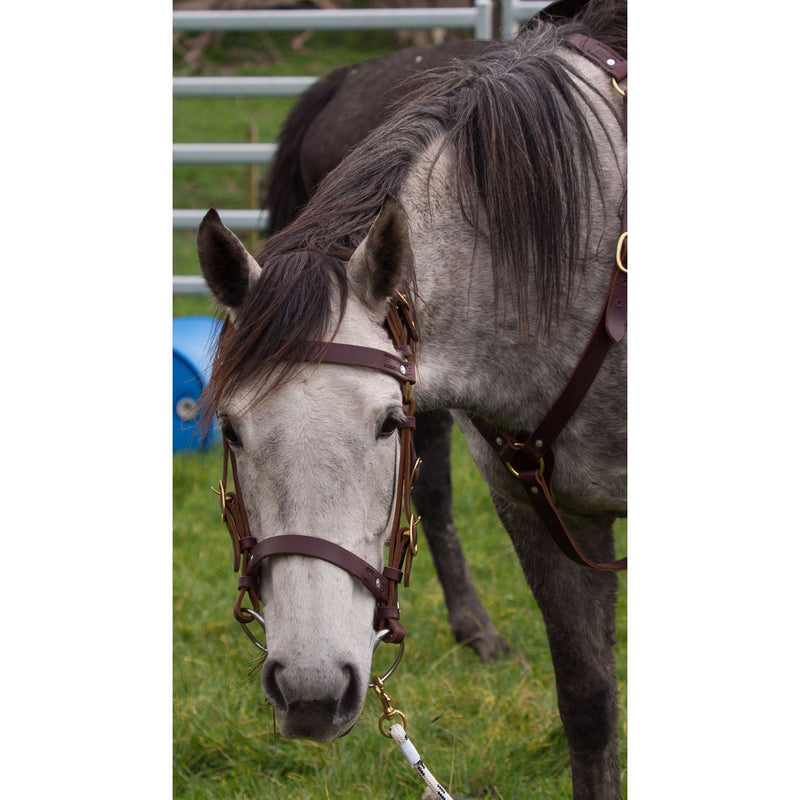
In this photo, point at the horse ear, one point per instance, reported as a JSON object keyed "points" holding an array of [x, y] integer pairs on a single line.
{"points": [[230, 271], [384, 261]]}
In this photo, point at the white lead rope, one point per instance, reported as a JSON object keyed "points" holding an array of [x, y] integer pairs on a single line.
{"points": [[398, 733], [398, 730]]}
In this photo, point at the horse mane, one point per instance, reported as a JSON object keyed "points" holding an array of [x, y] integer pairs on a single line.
{"points": [[507, 115]]}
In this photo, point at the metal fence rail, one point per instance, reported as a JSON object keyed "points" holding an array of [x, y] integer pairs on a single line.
{"points": [[241, 86], [237, 219], [478, 18], [512, 12], [256, 153]]}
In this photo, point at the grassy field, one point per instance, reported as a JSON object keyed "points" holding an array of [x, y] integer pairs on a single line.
{"points": [[487, 731]]}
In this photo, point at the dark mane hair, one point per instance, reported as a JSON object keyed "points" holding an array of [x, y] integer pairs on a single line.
{"points": [[515, 118]]}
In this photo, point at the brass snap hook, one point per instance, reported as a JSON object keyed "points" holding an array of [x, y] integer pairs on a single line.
{"points": [[388, 711]]}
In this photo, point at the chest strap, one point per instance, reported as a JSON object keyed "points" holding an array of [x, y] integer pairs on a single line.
{"points": [[530, 457]]}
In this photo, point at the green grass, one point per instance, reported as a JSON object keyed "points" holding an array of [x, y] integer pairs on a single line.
{"points": [[486, 731], [245, 119]]}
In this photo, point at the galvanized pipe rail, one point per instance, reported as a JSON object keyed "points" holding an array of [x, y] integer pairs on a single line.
{"points": [[478, 18], [258, 86], [512, 12]]}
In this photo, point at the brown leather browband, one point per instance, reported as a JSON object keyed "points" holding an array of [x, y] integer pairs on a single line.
{"points": [[529, 457]]}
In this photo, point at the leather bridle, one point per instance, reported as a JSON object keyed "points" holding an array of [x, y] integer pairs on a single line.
{"points": [[530, 457], [249, 553]]}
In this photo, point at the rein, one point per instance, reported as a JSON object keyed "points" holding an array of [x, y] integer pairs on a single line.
{"points": [[249, 553], [530, 456]]}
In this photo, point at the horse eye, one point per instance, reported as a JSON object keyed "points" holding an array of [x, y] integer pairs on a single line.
{"points": [[392, 421], [229, 432]]}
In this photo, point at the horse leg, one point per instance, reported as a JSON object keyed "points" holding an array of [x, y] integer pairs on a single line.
{"points": [[469, 620], [578, 605]]}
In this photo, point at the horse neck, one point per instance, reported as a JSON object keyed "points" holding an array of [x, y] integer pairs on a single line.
{"points": [[473, 354]]}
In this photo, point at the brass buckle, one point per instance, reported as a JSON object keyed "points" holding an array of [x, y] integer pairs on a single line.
{"points": [[411, 532], [415, 472], [405, 308], [516, 474], [221, 494]]}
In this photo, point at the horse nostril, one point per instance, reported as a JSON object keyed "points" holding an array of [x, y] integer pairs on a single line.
{"points": [[269, 683], [353, 697]]}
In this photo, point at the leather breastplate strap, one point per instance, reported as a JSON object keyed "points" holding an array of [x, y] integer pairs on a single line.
{"points": [[530, 457], [249, 553]]}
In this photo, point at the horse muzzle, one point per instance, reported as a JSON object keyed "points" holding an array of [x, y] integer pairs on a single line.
{"points": [[320, 702]]}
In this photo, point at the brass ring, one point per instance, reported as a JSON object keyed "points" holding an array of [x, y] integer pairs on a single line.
{"points": [[616, 86], [622, 242], [387, 715]]}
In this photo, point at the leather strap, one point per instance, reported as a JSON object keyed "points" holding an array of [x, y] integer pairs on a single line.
{"points": [[357, 356], [530, 457], [291, 544], [535, 476], [601, 54]]}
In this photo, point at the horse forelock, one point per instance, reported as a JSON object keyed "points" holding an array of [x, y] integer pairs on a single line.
{"points": [[281, 325]]}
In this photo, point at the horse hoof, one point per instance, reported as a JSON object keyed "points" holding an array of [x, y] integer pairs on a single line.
{"points": [[484, 639], [490, 646]]}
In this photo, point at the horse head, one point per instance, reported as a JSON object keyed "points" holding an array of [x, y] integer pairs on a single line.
{"points": [[316, 453]]}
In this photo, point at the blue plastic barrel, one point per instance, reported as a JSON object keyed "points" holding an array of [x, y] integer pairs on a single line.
{"points": [[193, 342]]}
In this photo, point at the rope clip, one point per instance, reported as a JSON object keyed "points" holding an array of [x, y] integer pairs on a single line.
{"points": [[388, 711]]}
